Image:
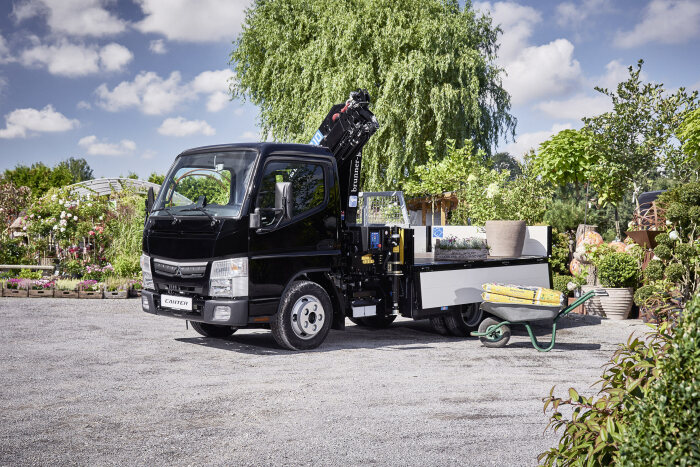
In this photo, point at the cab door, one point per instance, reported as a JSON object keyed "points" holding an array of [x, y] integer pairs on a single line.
{"points": [[284, 246]]}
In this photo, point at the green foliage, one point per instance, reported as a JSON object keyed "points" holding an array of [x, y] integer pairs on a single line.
{"points": [[125, 229], [566, 157], [66, 284], [644, 293], [663, 425], [29, 274], [664, 239], [156, 178], [560, 283], [429, 66], [675, 272], [689, 134], [12, 250], [13, 200], [682, 204], [216, 189], [663, 251], [559, 260], [565, 215], [502, 161], [40, 178], [617, 269], [653, 272]]}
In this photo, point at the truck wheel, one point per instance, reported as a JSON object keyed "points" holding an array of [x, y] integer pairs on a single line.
{"points": [[438, 323], [464, 320], [501, 337], [213, 330], [376, 322], [304, 317]]}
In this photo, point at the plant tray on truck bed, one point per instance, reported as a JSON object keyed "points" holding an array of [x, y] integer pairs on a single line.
{"points": [[19, 293], [66, 294]]}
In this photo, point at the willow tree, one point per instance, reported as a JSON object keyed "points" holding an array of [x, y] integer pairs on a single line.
{"points": [[427, 64]]}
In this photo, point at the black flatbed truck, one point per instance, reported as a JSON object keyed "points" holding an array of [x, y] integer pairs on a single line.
{"points": [[272, 241]]}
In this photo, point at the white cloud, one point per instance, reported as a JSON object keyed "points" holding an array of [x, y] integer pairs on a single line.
{"points": [[665, 21], [193, 20], [539, 71], [5, 56], [532, 71], [249, 136], [527, 141], [83, 105], [180, 127], [20, 121], [67, 59], [72, 17], [572, 15], [149, 92], [114, 57], [576, 107], [154, 95], [148, 154], [95, 147], [158, 46], [517, 22]]}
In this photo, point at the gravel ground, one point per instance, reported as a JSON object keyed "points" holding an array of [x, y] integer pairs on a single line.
{"points": [[99, 382]]}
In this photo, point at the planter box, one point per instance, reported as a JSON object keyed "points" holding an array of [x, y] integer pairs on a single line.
{"points": [[116, 294], [616, 305], [460, 255], [506, 238], [41, 293], [581, 310], [65, 293], [19, 293], [90, 294], [645, 238]]}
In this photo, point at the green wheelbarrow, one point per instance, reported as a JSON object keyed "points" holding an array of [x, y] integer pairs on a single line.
{"points": [[495, 331]]}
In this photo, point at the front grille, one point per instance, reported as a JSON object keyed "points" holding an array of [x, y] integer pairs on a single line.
{"points": [[184, 270]]}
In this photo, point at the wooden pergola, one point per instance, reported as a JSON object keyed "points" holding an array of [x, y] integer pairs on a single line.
{"points": [[443, 204]]}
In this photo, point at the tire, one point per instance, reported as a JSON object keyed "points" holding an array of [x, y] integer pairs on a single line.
{"points": [[464, 320], [213, 330], [376, 322], [498, 341], [438, 323], [304, 317]]}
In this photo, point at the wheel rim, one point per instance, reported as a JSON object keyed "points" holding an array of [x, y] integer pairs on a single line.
{"points": [[472, 315], [308, 317]]}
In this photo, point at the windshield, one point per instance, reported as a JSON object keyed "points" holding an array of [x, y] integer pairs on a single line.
{"points": [[221, 177]]}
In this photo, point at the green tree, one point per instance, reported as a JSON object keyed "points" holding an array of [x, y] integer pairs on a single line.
{"points": [[79, 168], [156, 178], [636, 138], [566, 158], [428, 65], [503, 161], [689, 135]]}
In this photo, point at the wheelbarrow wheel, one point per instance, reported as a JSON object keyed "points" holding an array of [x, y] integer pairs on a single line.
{"points": [[500, 337]]}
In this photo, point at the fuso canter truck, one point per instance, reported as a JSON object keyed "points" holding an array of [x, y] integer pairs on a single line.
{"points": [[279, 236]]}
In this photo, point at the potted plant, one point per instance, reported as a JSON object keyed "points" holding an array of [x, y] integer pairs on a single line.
{"points": [[41, 288], [89, 289], [568, 285], [16, 287], [66, 288], [618, 273], [116, 287], [453, 248], [506, 238], [135, 289]]}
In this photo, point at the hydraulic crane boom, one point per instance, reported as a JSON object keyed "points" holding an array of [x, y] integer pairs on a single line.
{"points": [[344, 131]]}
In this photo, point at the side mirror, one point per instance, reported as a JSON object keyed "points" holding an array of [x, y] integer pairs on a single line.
{"points": [[150, 201], [284, 200], [254, 220]]}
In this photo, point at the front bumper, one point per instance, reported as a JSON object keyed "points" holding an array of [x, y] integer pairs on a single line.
{"points": [[203, 312]]}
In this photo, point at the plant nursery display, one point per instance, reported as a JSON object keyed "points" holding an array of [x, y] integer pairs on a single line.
{"points": [[454, 248]]}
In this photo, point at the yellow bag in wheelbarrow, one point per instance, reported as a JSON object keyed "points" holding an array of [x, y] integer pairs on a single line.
{"points": [[521, 295]]}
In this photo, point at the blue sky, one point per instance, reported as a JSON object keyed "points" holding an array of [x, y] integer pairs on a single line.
{"points": [[129, 84]]}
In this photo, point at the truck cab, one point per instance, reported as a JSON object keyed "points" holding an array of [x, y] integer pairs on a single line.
{"points": [[234, 226]]}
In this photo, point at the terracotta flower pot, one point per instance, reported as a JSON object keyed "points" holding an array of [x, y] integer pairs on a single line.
{"points": [[616, 305], [506, 238]]}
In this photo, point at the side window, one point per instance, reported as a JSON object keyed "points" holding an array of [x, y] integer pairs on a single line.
{"points": [[308, 188]]}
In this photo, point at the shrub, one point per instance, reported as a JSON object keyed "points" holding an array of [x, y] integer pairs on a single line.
{"points": [[664, 239], [618, 270], [560, 282], [654, 271], [663, 425], [560, 253], [12, 250], [29, 274], [675, 272], [644, 293], [663, 252], [127, 265]]}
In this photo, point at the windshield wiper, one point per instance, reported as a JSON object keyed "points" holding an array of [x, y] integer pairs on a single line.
{"points": [[199, 207], [170, 213]]}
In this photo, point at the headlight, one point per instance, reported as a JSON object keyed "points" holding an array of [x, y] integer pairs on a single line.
{"points": [[146, 272], [229, 278]]}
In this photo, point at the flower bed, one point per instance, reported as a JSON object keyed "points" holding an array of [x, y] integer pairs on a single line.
{"points": [[16, 288], [41, 288], [89, 289]]}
